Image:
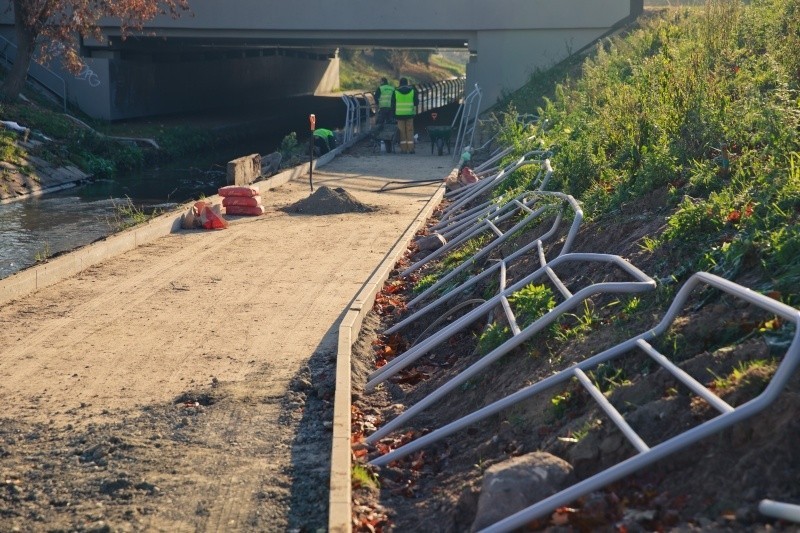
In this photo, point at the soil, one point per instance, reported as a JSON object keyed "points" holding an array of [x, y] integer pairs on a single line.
{"points": [[327, 201], [188, 384], [715, 484]]}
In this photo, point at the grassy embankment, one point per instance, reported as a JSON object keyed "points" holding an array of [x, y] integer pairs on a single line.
{"points": [[680, 140], [703, 102]]}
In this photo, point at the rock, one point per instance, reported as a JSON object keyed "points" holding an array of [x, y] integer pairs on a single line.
{"points": [[518, 483], [432, 242]]}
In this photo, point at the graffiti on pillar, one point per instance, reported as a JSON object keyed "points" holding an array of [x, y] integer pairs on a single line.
{"points": [[86, 74]]}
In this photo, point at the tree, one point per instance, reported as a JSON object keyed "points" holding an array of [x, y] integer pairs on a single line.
{"points": [[56, 27]]}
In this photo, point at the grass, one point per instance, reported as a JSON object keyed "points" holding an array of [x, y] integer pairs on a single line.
{"points": [[44, 254], [659, 107], [127, 215], [363, 477]]}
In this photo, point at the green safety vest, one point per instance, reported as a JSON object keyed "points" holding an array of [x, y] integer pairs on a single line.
{"points": [[404, 104], [322, 132], [385, 99]]}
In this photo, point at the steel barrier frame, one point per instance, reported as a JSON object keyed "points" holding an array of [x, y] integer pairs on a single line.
{"points": [[466, 195], [641, 283], [468, 111], [646, 455], [409, 356], [537, 244], [482, 222]]}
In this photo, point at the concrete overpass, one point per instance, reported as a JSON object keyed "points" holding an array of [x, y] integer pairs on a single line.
{"points": [[241, 50]]}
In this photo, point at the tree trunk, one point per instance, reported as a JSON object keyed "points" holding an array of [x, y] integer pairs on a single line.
{"points": [[26, 37]]}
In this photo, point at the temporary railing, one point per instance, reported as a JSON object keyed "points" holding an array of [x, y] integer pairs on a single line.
{"points": [[43, 75], [439, 94], [466, 195], [467, 118], [536, 244], [356, 116], [640, 283], [780, 510], [646, 455], [485, 221]]}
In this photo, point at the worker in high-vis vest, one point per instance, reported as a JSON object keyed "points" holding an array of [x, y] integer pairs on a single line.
{"points": [[324, 141], [383, 95], [405, 102]]}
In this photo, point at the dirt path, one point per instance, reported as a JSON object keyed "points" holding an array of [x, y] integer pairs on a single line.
{"points": [[187, 385]]}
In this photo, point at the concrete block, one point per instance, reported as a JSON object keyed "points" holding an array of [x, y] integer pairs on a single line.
{"points": [[17, 285], [57, 270], [244, 170]]}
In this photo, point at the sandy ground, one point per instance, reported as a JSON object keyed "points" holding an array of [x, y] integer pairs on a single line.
{"points": [[187, 385]]}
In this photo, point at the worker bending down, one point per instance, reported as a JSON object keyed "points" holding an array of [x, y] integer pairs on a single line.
{"points": [[324, 141]]}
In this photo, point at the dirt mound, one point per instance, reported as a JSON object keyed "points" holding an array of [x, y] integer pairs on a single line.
{"points": [[327, 201]]}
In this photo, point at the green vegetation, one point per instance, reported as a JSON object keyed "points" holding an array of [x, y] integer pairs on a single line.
{"points": [[362, 477], [493, 336], [702, 103], [531, 303], [759, 370], [127, 215], [362, 69], [44, 254]]}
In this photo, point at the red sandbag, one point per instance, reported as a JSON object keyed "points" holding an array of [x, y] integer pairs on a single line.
{"points": [[241, 200], [244, 210], [239, 190], [210, 218]]}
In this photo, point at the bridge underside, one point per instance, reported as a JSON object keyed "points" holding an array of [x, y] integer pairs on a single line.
{"points": [[255, 50]]}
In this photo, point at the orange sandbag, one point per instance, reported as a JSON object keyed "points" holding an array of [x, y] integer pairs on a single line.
{"points": [[239, 190], [247, 210], [210, 218], [241, 200]]}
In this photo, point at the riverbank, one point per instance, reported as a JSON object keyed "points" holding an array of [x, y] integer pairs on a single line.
{"points": [[26, 175]]}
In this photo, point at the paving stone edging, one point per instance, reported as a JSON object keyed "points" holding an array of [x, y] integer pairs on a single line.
{"points": [[340, 498]]}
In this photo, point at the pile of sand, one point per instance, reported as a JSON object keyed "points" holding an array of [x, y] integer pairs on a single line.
{"points": [[327, 201]]}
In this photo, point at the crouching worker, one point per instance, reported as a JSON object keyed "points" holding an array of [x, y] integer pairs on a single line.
{"points": [[324, 141]]}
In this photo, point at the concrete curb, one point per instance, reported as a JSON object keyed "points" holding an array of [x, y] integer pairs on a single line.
{"points": [[340, 499]]}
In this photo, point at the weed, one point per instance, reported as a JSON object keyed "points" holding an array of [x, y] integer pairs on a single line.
{"points": [[606, 377], [741, 372], [361, 476], [492, 337], [574, 325], [44, 254], [127, 215], [531, 303], [562, 402]]}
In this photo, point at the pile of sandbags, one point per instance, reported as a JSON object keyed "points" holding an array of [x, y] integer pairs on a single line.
{"points": [[203, 215], [241, 200]]}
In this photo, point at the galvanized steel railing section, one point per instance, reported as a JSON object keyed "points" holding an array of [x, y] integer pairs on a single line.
{"points": [[780, 510], [464, 196], [640, 283], [536, 245], [490, 222], [439, 94], [468, 114], [646, 455], [356, 116]]}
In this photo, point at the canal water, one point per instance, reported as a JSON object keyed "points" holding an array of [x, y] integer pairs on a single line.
{"points": [[44, 226]]}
